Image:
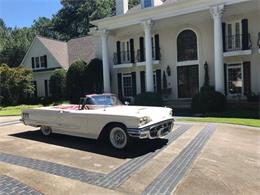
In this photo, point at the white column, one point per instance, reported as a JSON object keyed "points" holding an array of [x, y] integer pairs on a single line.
{"points": [[148, 56], [217, 12], [106, 68]]}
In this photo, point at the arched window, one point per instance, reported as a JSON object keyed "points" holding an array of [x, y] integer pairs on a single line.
{"points": [[187, 46]]}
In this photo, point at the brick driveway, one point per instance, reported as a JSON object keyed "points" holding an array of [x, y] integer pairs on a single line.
{"points": [[195, 158]]}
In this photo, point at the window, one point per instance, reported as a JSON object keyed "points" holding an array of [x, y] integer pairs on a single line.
{"points": [[187, 46], [42, 61], [234, 36], [127, 85], [37, 62], [125, 54], [147, 3], [234, 79]]}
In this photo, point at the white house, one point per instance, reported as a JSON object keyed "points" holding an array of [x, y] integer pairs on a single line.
{"points": [[173, 39], [46, 55]]}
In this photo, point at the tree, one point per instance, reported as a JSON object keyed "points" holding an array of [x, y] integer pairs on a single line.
{"points": [[58, 84], [44, 27], [73, 19], [15, 84], [75, 81], [93, 76], [17, 41]]}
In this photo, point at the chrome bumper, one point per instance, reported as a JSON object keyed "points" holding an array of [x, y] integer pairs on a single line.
{"points": [[153, 131]]}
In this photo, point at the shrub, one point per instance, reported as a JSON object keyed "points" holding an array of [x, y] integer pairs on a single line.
{"points": [[75, 80], [15, 84], [148, 99], [58, 84], [208, 101], [93, 75]]}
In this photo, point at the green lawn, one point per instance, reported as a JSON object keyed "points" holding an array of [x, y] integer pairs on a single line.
{"points": [[15, 110], [237, 121]]}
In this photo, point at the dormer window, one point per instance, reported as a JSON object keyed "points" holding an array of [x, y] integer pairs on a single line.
{"points": [[147, 3]]}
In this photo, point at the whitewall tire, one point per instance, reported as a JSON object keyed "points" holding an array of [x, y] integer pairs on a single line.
{"points": [[118, 138]]}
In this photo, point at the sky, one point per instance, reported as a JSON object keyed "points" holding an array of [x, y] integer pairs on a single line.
{"points": [[21, 13]]}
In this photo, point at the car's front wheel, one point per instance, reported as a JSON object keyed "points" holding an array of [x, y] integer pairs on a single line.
{"points": [[46, 131], [118, 138]]}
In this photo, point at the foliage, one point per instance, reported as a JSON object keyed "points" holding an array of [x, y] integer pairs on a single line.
{"points": [[15, 84], [73, 19], [15, 43], [148, 99], [75, 81], [58, 84], [44, 27], [93, 77], [208, 101]]}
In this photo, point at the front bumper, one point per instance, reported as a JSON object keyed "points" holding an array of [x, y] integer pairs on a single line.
{"points": [[156, 130]]}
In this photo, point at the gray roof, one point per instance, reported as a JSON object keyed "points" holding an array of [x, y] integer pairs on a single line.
{"points": [[67, 52], [58, 49], [81, 48]]}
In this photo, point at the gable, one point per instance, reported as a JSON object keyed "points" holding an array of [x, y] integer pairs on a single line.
{"points": [[37, 49]]}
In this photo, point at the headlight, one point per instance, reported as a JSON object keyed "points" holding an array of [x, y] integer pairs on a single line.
{"points": [[144, 120]]}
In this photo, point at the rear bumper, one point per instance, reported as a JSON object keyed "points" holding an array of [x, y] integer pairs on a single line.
{"points": [[156, 130]]}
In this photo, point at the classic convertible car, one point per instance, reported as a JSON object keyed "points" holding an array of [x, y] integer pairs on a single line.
{"points": [[102, 115]]}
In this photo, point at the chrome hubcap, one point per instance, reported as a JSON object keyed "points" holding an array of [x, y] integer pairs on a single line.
{"points": [[118, 138]]}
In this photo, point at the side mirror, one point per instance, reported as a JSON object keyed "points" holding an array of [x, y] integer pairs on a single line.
{"points": [[126, 103]]}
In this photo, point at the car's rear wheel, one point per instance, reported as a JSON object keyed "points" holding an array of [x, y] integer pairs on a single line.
{"points": [[46, 131], [118, 138]]}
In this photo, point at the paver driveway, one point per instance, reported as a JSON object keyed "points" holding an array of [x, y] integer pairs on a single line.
{"points": [[194, 159]]}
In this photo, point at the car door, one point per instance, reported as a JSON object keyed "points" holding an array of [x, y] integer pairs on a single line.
{"points": [[74, 122]]}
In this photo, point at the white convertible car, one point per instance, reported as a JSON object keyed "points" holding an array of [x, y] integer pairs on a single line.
{"points": [[102, 115]]}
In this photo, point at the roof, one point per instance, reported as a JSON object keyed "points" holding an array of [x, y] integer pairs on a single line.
{"points": [[67, 52], [81, 48], [58, 49]]}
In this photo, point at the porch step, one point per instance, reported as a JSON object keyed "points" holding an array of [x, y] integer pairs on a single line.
{"points": [[178, 103]]}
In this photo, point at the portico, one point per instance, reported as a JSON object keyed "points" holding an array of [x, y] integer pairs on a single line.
{"points": [[143, 49]]}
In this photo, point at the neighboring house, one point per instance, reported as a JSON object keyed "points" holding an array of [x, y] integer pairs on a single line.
{"points": [[174, 39], [46, 55]]}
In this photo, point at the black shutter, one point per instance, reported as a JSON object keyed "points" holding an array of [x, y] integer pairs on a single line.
{"points": [[45, 61], [119, 85], [224, 36], [247, 78], [141, 41], [142, 79], [118, 49], [134, 83], [225, 78], [158, 80], [132, 51], [245, 38], [33, 65], [157, 47]]}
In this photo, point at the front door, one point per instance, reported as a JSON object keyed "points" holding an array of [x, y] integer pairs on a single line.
{"points": [[188, 81]]}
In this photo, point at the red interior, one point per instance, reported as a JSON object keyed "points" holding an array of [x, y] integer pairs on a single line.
{"points": [[67, 107]]}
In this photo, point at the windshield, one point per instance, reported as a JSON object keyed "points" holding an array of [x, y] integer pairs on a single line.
{"points": [[109, 100]]}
